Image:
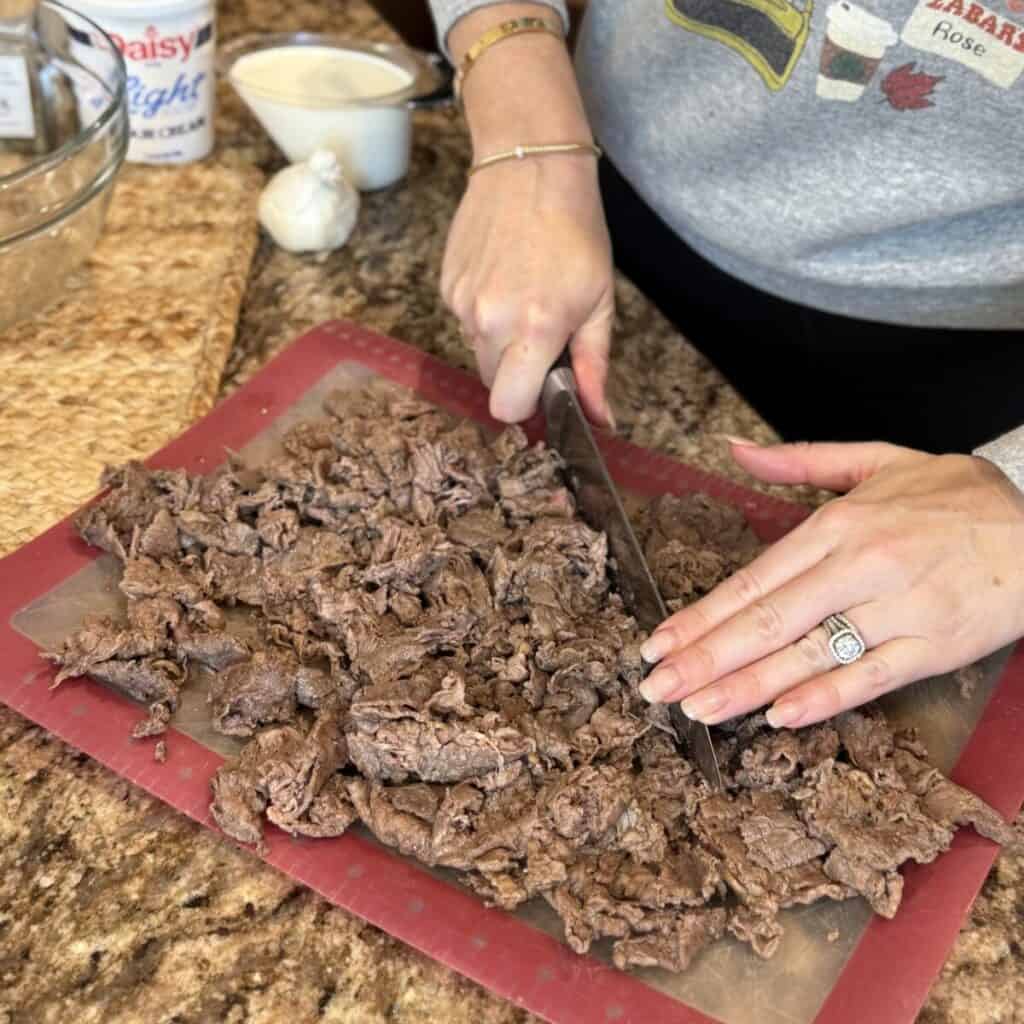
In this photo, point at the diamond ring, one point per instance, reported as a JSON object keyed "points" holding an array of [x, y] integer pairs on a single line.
{"points": [[844, 639]]}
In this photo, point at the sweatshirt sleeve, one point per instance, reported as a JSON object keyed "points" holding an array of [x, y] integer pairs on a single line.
{"points": [[1007, 452], [447, 12]]}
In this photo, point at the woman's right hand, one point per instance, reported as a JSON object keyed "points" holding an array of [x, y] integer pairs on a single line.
{"points": [[528, 265], [527, 269]]}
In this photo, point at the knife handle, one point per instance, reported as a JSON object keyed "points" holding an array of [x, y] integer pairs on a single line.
{"points": [[560, 379]]}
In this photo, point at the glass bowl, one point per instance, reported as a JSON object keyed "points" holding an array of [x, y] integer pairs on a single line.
{"points": [[63, 138]]}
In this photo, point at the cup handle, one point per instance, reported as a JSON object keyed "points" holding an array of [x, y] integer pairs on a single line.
{"points": [[443, 93]]}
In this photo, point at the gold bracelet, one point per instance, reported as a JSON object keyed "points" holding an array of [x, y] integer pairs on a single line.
{"points": [[521, 152], [507, 29]]}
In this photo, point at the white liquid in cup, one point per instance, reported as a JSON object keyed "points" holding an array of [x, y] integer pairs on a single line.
{"points": [[324, 97]]}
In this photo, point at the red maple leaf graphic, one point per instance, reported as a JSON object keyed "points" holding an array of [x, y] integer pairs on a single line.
{"points": [[907, 89]]}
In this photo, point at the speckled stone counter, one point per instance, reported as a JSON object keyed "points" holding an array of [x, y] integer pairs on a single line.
{"points": [[116, 910]]}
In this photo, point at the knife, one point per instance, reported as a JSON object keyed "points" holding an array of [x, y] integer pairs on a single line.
{"points": [[598, 501]]}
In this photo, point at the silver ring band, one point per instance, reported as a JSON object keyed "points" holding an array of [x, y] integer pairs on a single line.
{"points": [[844, 640]]}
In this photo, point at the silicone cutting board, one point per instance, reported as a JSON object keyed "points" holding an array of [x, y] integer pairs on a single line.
{"points": [[875, 971]]}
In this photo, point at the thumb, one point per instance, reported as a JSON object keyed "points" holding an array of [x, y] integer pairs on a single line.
{"points": [[833, 467], [520, 376], [589, 348]]}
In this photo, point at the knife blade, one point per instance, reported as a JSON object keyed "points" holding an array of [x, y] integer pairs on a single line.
{"points": [[598, 501]]}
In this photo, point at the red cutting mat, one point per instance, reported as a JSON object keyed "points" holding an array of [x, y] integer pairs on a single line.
{"points": [[889, 972]]}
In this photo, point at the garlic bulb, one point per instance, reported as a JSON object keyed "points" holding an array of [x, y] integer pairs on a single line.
{"points": [[310, 206]]}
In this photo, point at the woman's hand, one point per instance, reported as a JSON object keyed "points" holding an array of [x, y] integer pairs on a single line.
{"points": [[527, 269], [528, 265], [924, 555]]}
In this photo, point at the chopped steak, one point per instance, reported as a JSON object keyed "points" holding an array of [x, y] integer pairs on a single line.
{"points": [[762, 932], [138, 662], [948, 803], [443, 741], [435, 648], [330, 813], [674, 945], [293, 783], [216, 650], [254, 693], [155, 723], [240, 788]]}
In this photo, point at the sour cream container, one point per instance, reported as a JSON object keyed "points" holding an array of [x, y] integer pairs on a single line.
{"points": [[168, 47]]}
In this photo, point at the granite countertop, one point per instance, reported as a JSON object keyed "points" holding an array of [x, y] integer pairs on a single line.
{"points": [[116, 910]]}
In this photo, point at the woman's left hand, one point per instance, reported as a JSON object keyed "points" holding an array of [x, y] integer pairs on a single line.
{"points": [[924, 555]]}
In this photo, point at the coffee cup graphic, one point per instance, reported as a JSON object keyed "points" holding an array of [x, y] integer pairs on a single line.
{"points": [[855, 42]]}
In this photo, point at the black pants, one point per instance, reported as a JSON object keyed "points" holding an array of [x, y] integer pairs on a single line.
{"points": [[814, 375]]}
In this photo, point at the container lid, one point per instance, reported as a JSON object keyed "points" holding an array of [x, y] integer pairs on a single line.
{"points": [[139, 10]]}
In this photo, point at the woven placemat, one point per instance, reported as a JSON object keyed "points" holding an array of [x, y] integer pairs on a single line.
{"points": [[135, 351]]}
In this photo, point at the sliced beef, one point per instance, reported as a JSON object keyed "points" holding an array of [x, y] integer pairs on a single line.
{"points": [[773, 759], [437, 650], [148, 680], [292, 783], [145, 577], [719, 827], [135, 497], [254, 693], [155, 723], [483, 531], [584, 806], [874, 829], [239, 787], [157, 616], [947, 803], [444, 485], [407, 832], [429, 748], [698, 523], [281, 772], [216, 649], [881, 887], [330, 813], [159, 538], [101, 640], [684, 573], [685, 876], [674, 945], [138, 663], [775, 837], [762, 932]]}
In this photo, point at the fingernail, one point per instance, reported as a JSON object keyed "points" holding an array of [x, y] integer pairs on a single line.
{"points": [[658, 685], [613, 425], [743, 442], [702, 705], [655, 647], [789, 713]]}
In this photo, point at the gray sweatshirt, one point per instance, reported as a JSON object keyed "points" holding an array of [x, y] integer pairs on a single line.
{"points": [[865, 158]]}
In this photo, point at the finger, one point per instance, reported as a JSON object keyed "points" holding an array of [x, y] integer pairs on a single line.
{"points": [[885, 668], [460, 302], [487, 358], [519, 378], [796, 553], [834, 467], [589, 347], [763, 627], [762, 682]]}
